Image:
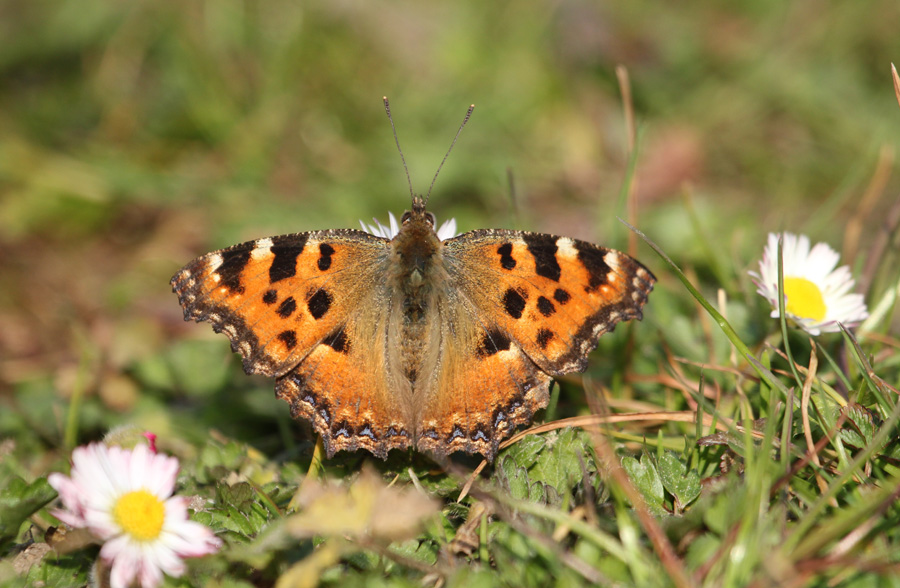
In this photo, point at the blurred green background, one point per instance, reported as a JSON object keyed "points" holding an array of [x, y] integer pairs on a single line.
{"points": [[135, 136]]}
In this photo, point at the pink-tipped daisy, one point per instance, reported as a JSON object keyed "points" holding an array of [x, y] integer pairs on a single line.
{"points": [[124, 497], [447, 229], [817, 296]]}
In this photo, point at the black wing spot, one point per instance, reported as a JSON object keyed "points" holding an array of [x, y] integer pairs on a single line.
{"points": [[287, 308], [284, 263], [325, 253], [289, 338], [545, 307], [319, 303], [561, 296], [513, 303], [270, 297], [507, 261], [339, 342], [233, 263], [544, 337], [593, 260], [543, 248], [493, 342]]}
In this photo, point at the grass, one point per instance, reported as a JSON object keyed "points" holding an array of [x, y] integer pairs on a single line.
{"points": [[711, 446]]}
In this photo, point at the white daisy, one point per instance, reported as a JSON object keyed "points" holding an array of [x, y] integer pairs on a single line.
{"points": [[817, 296], [446, 231], [124, 497]]}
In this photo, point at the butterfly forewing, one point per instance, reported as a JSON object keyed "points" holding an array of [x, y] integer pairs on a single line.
{"points": [[275, 298], [552, 296]]}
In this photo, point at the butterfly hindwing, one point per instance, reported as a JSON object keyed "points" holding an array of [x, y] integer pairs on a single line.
{"points": [[344, 389], [483, 387]]}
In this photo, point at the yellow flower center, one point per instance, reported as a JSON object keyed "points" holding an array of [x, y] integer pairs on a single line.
{"points": [[804, 299], [140, 514]]}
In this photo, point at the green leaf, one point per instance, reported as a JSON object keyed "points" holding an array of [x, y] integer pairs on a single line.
{"points": [[859, 428], [560, 464], [425, 552], [646, 479], [218, 460], [544, 468], [682, 483], [237, 510], [515, 480], [60, 571], [18, 501], [526, 452]]}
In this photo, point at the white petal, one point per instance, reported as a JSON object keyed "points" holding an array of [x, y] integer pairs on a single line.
{"points": [[125, 562], [395, 228], [102, 523], [447, 230], [165, 469], [70, 495], [90, 471], [151, 574], [379, 230], [70, 518], [192, 540], [187, 538]]}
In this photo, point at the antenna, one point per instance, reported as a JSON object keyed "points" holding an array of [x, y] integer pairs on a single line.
{"points": [[465, 120], [387, 109]]}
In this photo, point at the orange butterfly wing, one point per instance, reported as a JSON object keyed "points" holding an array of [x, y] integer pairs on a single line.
{"points": [[308, 309], [522, 307]]}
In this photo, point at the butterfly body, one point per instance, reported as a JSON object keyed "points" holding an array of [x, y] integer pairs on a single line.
{"points": [[414, 341]]}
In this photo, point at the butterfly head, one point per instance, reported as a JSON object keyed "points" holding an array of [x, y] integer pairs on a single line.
{"points": [[416, 247], [418, 214]]}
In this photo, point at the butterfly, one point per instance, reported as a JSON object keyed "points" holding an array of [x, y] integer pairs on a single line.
{"points": [[414, 340]]}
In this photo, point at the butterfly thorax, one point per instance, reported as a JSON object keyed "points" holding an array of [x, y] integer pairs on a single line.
{"points": [[416, 266]]}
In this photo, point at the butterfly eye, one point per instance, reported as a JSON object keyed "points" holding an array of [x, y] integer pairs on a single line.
{"points": [[405, 217], [430, 218]]}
